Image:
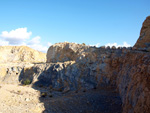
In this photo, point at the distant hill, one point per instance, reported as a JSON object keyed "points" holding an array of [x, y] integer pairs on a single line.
{"points": [[20, 54]]}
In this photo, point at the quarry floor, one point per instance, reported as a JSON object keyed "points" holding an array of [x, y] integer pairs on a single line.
{"points": [[25, 99]]}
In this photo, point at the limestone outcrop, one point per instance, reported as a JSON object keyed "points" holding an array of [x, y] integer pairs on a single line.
{"points": [[61, 52], [144, 38], [20, 54]]}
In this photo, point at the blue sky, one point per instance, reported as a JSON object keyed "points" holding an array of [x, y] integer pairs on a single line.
{"points": [[40, 23]]}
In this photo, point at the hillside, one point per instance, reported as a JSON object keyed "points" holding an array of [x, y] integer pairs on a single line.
{"points": [[20, 54]]}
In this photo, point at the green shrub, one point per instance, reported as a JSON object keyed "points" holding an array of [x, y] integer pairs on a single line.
{"points": [[27, 82], [43, 94]]}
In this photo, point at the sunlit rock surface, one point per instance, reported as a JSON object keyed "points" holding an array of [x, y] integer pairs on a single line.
{"points": [[74, 67], [144, 38], [20, 54]]}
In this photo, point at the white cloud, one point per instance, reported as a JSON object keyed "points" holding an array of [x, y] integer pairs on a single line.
{"points": [[96, 45], [21, 36], [16, 36], [35, 44], [4, 43], [39, 47], [125, 44], [49, 44], [35, 40]]}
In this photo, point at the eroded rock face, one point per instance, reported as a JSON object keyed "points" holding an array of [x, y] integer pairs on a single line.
{"points": [[126, 69], [20, 54], [62, 52], [133, 82], [86, 73], [73, 66], [144, 39]]}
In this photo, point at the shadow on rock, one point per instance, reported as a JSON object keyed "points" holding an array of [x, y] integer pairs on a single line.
{"points": [[64, 88]]}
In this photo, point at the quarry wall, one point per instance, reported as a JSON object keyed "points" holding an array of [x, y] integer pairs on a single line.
{"points": [[73, 67]]}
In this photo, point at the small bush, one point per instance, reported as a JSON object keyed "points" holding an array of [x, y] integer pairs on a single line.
{"points": [[43, 94], [27, 82]]}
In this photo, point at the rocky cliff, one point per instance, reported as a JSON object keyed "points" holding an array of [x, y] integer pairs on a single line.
{"points": [[144, 38], [133, 80], [126, 68], [77, 67]]}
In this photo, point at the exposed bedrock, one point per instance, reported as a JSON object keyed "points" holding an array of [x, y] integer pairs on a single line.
{"points": [[61, 52], [73, 67], [126, 69], [133, 80], [144, 38]]}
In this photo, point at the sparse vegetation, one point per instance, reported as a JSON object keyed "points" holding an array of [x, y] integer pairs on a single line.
{"points": [[43, 94], [27, 82]]}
